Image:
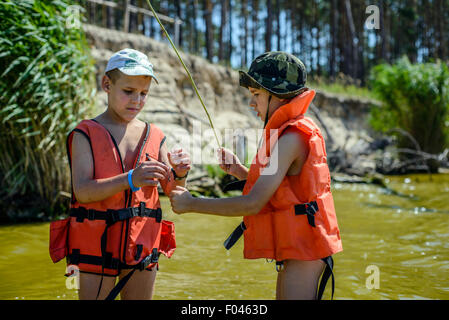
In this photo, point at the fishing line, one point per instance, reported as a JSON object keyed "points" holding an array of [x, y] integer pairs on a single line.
{"points": [[187, 70]]}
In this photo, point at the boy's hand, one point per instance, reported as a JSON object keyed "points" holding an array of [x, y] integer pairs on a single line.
{"points": [[149, 172], [229, 162], [180, 161], [180, 199]]}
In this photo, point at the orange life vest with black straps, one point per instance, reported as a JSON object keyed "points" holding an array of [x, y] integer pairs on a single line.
{"points": [[299, 221], [126, 230]]}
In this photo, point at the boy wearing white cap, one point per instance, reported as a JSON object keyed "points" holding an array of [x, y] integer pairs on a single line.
{"points": [[116, 162]]}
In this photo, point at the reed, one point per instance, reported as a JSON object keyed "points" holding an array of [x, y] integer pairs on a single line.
{"points": [[46, 86]]}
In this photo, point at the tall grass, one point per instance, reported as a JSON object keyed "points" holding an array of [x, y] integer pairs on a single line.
{"points": [[46, 85], [415, 102]]}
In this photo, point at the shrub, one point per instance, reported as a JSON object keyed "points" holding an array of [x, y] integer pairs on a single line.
{"points": [[415, 100], [47, 84]]}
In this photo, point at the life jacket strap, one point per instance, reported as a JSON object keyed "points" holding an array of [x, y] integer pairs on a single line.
{"points": [[76, 258], [142, 265], [235, 236], [113, 216], [309, 209], [279, 266], [235, 185], [109, 262], [110, 217], [328, 271], [152, 258]]}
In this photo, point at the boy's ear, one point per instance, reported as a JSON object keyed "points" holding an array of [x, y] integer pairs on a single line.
{"points": [[106, 83]]}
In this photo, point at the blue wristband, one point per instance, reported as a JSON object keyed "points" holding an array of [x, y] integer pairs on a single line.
{"points": [[130, 181]]}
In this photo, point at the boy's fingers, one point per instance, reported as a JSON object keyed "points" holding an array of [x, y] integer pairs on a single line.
{"points": [[151, 161], [181, 155], [152, 171], [156, 167], [175, 150], [151, 182], [154, 175], [184, 160], [181, 161]]}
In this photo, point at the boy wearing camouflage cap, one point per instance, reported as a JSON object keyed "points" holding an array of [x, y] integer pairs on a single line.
{"points": [[287, 206], [117, 162]]}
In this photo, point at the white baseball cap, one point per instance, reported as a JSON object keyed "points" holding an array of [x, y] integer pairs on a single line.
{"points": [[132, 63]]}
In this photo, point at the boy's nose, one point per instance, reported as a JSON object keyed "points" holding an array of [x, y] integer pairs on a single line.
{"points": [[136, 99], [252, 103]]}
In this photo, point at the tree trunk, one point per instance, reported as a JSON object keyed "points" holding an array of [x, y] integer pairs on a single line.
{"points": [[354, 40], [196, 44], [208, 6], [255, 10], [440, 29], [244, 37], [318, 46], [178, 15], [268, 27], [278, 24], [110, 18], [222, 27], [230, 33], [334, 32]]}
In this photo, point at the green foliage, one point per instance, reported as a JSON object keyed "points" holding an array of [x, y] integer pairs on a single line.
{"points": [[341, 89], [215, 172], [47, 83], [415, 99]]}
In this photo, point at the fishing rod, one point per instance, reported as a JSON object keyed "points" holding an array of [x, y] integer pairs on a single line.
{"points": [[186, 69]]}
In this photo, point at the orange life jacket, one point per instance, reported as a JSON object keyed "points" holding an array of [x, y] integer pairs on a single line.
{"points": [[299, 221], [126, 230]]}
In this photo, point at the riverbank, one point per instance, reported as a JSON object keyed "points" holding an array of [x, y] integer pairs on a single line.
{"points": [[175, 108]]}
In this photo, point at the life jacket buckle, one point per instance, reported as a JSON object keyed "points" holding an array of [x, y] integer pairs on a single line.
{"points": [[312, 208], [151, 258], [142, 209], [132, 212], [90, 214], [309, 209], [158, 215], [111, 216]]}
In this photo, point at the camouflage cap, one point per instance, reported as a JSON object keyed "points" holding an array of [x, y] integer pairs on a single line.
{"points": [[280, 73]]}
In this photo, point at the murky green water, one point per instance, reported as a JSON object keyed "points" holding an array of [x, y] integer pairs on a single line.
{"points": [[405, 236]]}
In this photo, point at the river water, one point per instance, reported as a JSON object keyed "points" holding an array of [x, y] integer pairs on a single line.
{"points": [[396, 246]]}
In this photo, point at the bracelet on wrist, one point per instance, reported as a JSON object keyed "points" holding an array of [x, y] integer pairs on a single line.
{"points": [[130, 181], [178, 177]]}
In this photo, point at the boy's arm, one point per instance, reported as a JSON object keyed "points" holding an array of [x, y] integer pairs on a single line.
{"points": [[85, 188], [289, 146]]}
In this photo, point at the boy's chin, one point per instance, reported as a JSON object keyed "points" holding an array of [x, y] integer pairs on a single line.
{"points": [[129, 117]]}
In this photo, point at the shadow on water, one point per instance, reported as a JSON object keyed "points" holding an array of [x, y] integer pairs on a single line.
{"points": [[402, 235]]}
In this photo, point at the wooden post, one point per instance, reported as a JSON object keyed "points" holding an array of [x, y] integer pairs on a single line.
{"points": [[126, 16]]}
